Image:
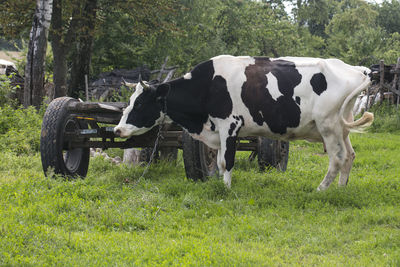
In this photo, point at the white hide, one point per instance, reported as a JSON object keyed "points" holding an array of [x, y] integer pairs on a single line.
{"points": [[273, 86], [187, 76]]}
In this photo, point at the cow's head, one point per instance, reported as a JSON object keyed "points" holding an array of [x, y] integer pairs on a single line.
{"points": [[144, 111]]}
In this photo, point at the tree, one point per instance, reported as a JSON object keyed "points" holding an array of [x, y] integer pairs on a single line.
{"points": [[76, 24], [61, 44], [82, 51], [34, 70], [389, 16], [315, 15], [352, 37], [131, 33], [16, 17]]}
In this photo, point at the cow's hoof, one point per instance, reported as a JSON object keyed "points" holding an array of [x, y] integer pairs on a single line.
{"points": [[227, 183], [321, 188], [343, 183]]}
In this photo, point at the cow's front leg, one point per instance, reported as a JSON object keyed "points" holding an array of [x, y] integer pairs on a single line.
{"points": [[226, 158], [226, 154]]}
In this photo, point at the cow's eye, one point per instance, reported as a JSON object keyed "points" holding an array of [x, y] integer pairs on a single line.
{"points": [[137, 106]]}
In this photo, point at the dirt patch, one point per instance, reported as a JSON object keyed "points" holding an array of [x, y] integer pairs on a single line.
{"points": [[11, 55]]}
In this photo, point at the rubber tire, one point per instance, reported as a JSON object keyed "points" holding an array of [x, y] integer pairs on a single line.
{"points": [[197, 167], [74, 163], [272, 153], [208, 160], [145, 154]]}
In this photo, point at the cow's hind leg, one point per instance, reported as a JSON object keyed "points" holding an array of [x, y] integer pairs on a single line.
{"points": [[350, 155], [337, 154], [226, 155]]}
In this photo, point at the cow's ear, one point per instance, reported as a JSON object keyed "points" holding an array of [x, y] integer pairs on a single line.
{"points": [[162, 90]]}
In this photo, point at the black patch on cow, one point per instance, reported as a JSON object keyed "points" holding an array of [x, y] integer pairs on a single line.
{"points": [[230, 152], [145, 110], [232, 128], [186, 98], [242, 119], [318, 83], [219, 102], [298, 100], [212, 126], [277, 114], [231, 141], [190, 102]]}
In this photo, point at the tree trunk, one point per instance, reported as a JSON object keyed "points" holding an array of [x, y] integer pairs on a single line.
{"points": [[59, 72], [35, 62], [83, 50], [59, 51]]}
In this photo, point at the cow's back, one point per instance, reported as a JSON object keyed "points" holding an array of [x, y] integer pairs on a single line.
{"points": [[283, 97]]}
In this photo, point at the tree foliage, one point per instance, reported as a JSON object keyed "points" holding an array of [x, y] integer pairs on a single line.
{"points": [[315, 15], [389, 16], [127, 34], [16, 17]]}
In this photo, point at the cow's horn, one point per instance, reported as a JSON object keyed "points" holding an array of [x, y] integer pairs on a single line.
{"points": [[129, 85], [145, 86]]}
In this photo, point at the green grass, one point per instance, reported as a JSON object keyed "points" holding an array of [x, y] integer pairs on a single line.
{"points": [[114, 218]]}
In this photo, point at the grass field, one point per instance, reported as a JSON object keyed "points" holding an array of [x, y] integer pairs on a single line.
{"points": [[266, 219]]}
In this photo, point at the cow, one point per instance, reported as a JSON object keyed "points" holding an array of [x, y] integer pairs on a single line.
{"points": [[283, 98]]}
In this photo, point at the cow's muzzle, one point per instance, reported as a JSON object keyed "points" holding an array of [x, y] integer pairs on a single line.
{"points": [[121, 132], [117, 132]]}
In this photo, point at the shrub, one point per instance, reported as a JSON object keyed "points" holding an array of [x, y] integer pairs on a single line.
{"points": [[6, 90], [19, 130], [387, 118]]}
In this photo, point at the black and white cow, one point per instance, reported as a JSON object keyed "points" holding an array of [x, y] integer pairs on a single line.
{"points": [[285, 98]]}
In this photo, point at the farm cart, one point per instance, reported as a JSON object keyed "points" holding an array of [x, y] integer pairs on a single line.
{"points": [[70, 128]]}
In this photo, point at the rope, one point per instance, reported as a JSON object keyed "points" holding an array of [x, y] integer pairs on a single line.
{"points": [[159, 136], [154, 151]]}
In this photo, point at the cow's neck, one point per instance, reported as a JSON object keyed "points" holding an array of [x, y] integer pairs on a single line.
{"points": [[185, 104]]}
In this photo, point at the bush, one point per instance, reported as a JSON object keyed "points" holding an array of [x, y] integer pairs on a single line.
{"points": [[19, 130], [6, 90], [387, 118]]}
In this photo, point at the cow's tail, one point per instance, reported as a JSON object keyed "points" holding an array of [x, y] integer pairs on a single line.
{"points": [[367, 118]]}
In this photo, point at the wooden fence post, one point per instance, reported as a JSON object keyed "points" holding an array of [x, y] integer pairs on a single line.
{"points": [[381, 78], [396, 82]]}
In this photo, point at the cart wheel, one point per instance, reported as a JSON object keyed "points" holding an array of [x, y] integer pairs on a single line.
{"points": [[200, 161], [272, 153], [145, 154], [53, 147]]}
